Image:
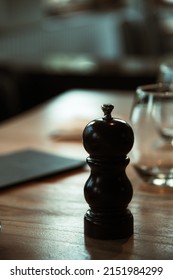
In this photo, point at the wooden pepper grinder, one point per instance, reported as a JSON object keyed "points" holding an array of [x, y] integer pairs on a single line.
{"points": [[108, 190]]}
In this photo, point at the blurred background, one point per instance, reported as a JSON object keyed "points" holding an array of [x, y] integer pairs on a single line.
{"points": [[50, 46]]}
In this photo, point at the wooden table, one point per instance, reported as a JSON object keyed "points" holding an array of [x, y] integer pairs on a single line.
{"points": [[44, 219]]}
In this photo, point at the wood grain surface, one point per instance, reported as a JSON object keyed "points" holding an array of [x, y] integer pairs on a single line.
{"points": [[44, 219]]}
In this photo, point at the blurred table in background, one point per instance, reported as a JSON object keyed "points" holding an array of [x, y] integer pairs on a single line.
{"points": [[27, 83]]}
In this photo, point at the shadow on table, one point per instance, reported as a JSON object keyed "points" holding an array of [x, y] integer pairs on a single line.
{"points": [[108, 249]]}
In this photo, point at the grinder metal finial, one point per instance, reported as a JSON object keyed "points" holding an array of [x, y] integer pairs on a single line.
{"points": [[107, 110]]}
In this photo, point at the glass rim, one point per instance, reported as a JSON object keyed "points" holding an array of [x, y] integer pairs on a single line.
{"points": [[157, 89], [166, 67]]}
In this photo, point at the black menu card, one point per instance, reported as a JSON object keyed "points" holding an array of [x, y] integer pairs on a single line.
{"points": [[26, 165]]}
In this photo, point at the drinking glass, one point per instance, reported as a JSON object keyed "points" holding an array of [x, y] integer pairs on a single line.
{"points": [[165, 74], [152, 121]]}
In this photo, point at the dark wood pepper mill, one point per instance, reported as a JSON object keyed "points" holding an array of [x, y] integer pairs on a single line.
{"points": [[108, 190]]}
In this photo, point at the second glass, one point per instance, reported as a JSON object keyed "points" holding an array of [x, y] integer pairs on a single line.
{"points": [[152, 121]]}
